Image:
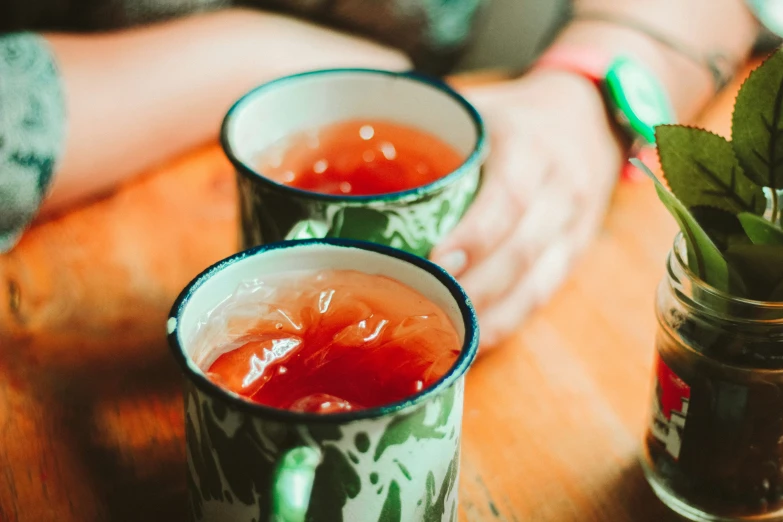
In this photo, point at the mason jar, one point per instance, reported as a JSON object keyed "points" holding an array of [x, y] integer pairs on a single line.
{"points": [[713, 449]]}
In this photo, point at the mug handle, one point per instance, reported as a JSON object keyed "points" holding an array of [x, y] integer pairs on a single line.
{"points": [[292, 483]]}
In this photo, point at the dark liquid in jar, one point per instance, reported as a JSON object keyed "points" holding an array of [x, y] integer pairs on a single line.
{"points": [[730, 458]]}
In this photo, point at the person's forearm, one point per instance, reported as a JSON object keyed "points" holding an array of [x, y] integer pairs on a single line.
{"points": [[705, 27], [137, 97]]}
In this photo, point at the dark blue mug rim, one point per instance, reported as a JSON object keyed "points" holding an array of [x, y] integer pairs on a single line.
{"points": [[474, 160], [461, 365]]}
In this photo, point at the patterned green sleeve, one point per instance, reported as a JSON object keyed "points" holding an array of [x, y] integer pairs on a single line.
{"points": [[32, 127]]}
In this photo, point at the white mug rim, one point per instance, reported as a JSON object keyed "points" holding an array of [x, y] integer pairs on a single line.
{"points": [[467, 355], [474, 160]]}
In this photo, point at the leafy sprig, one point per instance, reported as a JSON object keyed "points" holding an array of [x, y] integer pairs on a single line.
{"points": [[737, 246], [757, 127]]}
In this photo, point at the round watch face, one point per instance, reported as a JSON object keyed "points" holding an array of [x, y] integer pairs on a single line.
{"points": [[639, 100], [769, 13]]}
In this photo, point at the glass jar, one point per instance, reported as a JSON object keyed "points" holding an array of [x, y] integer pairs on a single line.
{"points": [[713, 450]]}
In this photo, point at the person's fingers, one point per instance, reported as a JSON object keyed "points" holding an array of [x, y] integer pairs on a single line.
{"points": [[548, 219], [504, 317], [512, 177], [489, 220]]}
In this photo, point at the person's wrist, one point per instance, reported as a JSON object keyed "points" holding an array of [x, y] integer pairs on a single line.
{"points": [[688, 86], [582, 100]]}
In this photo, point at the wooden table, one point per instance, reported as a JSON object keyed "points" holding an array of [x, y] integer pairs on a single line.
{"points": [[91, 425]]}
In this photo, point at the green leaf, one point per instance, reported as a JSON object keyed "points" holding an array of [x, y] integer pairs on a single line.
{"points": [[702, 170], [761, 268], [723, 227], [704, 258], [757, 124], [760, 231]]}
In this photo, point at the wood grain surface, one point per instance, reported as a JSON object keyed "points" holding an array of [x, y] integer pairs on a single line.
{"points": [[91, 426]]}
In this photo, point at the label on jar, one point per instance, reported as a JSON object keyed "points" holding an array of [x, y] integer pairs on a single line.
{"points": [[670, 407]]}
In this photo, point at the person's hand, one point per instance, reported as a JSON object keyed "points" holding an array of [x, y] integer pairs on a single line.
{"points": [[553, 163]]}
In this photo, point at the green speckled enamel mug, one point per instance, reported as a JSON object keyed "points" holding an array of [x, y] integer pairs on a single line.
{"points": [[252, 463], [413, 220]]}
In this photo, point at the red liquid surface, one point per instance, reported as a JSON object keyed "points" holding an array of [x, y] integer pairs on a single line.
{"points": [[360, 157], [335, 341]]}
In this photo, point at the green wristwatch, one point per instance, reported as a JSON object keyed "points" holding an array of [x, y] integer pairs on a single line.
{"points": [[769, 13], [633, 96]]}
